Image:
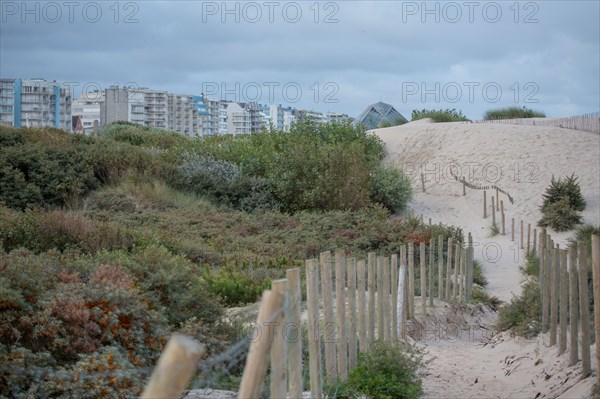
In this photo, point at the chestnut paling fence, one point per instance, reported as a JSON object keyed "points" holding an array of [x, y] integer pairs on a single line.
{"points": [[350, 304]]}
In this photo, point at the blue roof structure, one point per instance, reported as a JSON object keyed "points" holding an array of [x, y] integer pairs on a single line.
{"points": [[375, 114]]}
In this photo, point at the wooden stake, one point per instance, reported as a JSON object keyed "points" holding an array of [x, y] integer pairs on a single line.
{"points": [[484, 204], [330, 328], [314, 334], [340, 296], [493, 211], [573, 307], [294, 319], [394, 297], [430, 269], [497, 199], [448, 268], [584, 314], [423, 182], [380, 308], [423, 278], [175, 367], [456, 271], [503, 216], [564, 299], [512, 230], [372, 285], [362, 306], [387, 325], [440, 267], [528, 237], [257, 360], [554, 295], [352, 347], [411, 281], [521, 235], [278, 379], [596, 277], [464, 186]]}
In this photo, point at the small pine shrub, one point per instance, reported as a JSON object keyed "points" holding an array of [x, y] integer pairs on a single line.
{"points": [[480, 295], [494, 230], [567, 187], [560, 216], [388, 371]]}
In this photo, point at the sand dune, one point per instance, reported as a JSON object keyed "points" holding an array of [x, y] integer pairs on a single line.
{"points": [[521, 160]]}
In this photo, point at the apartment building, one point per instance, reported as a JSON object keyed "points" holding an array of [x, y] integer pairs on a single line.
{"points": [[86, 108], [338, 118], [238, 119], [35, 103], [258, 120], [183, 114], [209, 114]]}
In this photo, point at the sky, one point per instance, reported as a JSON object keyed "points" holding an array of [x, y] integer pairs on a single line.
{"points": [[337, 56]]}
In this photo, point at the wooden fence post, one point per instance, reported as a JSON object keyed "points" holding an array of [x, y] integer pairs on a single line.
{"points": [[314, 341], [423, 182], [293, 314], [456, 271], [362, 307], [278, 379], [512, 230], [493, 211], [521, 235], [596, 277], [387, 316], [528, 237], [411, 281], [448, 268], [484, 204], [547, 285], [573, 307], [503, 216], [584, 313], [380, 311], [352, 347], [535, 250], [394, 297], [401, 304], [464, 186], [497, 199], [175, 367], [463, 264], [257, 360], [372, 284], [430, 271], [423, 278], [340, 296], [330, 328], [469, 261], [440, 267], [554, 294], [564, 294]]}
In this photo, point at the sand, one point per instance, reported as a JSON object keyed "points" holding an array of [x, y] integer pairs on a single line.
{"points": [[521, 160]]}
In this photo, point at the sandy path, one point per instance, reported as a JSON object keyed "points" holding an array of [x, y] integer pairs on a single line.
{"points": [[526, 158]]}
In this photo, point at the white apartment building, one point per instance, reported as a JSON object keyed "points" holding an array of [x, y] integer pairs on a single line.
{"points": [[239, 120], [35, 103], [87, 108], [335, 117], [154, 108]]}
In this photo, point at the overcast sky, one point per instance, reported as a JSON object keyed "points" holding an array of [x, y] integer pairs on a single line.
{"points": [[328, 56]]}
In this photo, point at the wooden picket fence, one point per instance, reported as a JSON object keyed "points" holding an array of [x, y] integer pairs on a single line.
{"points": [[588, 122]]}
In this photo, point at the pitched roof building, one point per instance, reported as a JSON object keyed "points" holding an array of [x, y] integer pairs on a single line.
{"points": [[376, 114]]}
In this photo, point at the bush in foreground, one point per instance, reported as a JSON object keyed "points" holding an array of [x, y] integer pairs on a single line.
{"points": [[561, 202]]}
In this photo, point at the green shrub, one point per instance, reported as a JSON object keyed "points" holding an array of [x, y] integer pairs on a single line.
{"points": [[512, 113], [391, 188], [234, 287], [494, 230], [532, 266], [388, 371], [480, 295], [560, 216], [442, 115], [561, 188], [479, 276], [523, 314]]}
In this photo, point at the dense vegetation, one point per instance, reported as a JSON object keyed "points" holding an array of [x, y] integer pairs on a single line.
{"points": [[512, 113], [442, 115], [562, 203], [111, 244]]}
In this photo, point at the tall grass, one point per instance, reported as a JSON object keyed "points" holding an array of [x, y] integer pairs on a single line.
{"points": [[512, 113]]}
